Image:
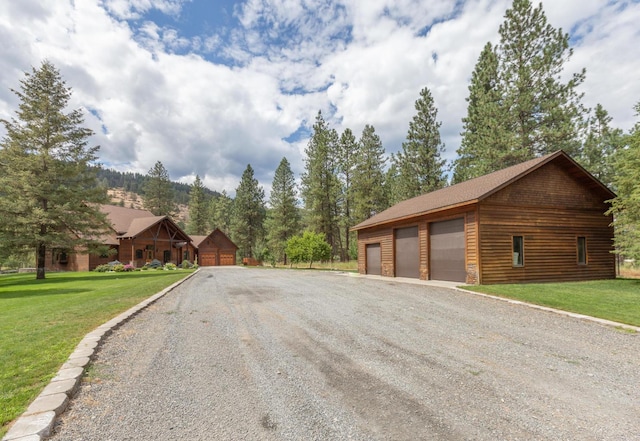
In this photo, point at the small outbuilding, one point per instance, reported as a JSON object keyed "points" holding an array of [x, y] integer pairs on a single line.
{"points": [[216, 249], [540, 221]]}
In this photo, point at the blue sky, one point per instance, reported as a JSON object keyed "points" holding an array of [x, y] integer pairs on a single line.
{"points": [[209, 86]]}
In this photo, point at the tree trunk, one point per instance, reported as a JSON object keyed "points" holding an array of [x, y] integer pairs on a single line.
{"points": [[41, 257]]}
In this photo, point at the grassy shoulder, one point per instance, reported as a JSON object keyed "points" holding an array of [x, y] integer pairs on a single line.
{"points": [[616, 299], [42, 321]]}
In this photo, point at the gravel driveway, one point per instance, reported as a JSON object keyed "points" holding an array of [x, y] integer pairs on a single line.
{"points": [[254, 354]]}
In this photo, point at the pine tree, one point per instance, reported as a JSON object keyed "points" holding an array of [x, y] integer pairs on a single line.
{"points": [[320, 184], [198, 208], [600, 146], [543, 113], [220, 213], [347, 156], [368, 187], [283, 219], [158, 192], [626, 206], [486, 143], [247, 227], [48, 183], [419, 167]]}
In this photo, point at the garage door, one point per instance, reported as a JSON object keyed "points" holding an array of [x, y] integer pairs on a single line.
{"points": [[227, 258], [407, 252], [374, 259], [446, 251], [207, 259]]}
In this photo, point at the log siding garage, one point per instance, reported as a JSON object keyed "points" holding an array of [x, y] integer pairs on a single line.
{"points": [[216, 249], [539, 221]]}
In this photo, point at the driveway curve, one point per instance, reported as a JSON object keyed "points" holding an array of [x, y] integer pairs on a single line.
{"points": [[255, 354]]}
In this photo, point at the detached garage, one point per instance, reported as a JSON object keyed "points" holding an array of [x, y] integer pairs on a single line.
{"points": [[542, 220], [216, 249]]}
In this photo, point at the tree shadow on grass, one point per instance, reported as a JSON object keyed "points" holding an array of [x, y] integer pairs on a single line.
{"points": [[39, 293]]}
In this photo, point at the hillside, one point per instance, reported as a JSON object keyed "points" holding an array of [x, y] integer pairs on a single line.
{"points": [[121, 197]]}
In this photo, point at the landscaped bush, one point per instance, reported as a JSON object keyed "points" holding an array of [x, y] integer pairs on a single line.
{"points": [[102, 268], [129, 267], [119, 268], [155, 263], [170, 266], [186, 264]]}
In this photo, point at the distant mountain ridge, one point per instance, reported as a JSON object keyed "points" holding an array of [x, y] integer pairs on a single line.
{"points": [[134, 183]]}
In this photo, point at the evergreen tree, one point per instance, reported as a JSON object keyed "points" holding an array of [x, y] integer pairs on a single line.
{"points": [[626, 206], [48, 185], [158, 192], [368, 189], [320, 184], [600, 146], [419, 167], [247, 227], [220, 213], [519, 105], [283, 219], [198, 208], [347, 157], [486, 142], [542, 112]]}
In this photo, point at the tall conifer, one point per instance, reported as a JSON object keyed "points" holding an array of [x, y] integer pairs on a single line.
{"points": [[283, 219], [249, 212], [49, 193]]}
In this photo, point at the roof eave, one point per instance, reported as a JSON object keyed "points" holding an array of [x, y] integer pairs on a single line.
{"points": [[414, 215]]}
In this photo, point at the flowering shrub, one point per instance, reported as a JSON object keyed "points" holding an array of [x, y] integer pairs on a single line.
{"points": [[118, 268], [186, 264], [102, 268], [128, 267], [170, 266]]}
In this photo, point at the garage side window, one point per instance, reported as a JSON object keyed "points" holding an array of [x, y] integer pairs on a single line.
{"points": [[582, 250], [518, 251]]}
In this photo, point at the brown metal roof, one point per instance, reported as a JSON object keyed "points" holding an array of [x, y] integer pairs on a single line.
{"points": [[474, 190], [122, 217], [197, 240], [141, 224]]}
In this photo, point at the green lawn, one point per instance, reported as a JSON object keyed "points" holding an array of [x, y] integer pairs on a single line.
{"points": [[617, 299], [42, 321]]}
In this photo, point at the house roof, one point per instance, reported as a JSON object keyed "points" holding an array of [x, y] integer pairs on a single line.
{"points": [[141, 224], [122, 217], [474, 190], [198, 240]]}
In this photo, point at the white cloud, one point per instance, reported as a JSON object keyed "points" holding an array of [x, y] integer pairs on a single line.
{"points": [[151, 93]]}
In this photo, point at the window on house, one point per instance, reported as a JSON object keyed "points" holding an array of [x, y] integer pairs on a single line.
{"points": [[139, 254], [518, 251], [186, 255], [582, 250]]}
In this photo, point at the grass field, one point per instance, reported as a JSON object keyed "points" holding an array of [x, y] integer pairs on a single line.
{"points": [[616, 299], [42, 321]]}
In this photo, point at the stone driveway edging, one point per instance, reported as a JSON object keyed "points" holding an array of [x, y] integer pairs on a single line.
{"points": [[36, 422]]}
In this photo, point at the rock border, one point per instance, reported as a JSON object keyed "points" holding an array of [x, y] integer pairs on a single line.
{"points": [[36, 422]]}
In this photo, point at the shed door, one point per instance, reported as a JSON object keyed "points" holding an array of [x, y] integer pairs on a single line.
{"points": [[447, 251], [374, 259], [407, 252]]}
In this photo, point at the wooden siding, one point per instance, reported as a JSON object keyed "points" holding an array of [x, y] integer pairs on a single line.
{"points": [[385, 237], [550, 210]]}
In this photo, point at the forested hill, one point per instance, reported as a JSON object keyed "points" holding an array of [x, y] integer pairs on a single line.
{"points": [[134, 182]]}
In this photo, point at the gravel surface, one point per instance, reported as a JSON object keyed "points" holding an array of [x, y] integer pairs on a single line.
{"points": [[255, 354]]}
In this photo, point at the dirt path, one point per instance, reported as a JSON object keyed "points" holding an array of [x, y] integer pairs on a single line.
{"points": [[252, 354]]}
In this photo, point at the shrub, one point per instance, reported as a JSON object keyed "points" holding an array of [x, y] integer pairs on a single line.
{"points": [[128, 267], [155, 263], [170, 266], [102, 268], [119, 268], [186, 264]]}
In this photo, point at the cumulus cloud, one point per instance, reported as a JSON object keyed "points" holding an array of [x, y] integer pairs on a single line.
{"points": [[249, 91]]}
